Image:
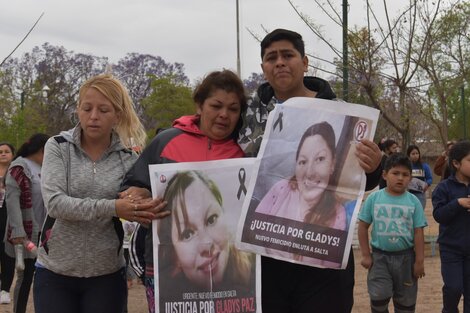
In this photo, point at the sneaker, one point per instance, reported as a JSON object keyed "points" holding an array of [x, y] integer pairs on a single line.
{"points": [[4, 297]]}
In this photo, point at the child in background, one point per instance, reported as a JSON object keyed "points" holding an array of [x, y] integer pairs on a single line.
{"points": [[397, 258], [451, 203], [421, 176]]}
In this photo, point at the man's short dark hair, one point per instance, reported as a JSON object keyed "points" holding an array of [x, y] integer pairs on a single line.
{"points": [[397, 159], [388, 143], [283, 34]]}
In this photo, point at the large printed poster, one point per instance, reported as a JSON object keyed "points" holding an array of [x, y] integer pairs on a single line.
{"points": [[197, 267], [307, 184]]}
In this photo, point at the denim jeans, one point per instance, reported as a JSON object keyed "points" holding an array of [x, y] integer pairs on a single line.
{"points": [[455, 270]]}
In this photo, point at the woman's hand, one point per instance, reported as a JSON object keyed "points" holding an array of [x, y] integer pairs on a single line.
{"points": [[143, 212], [369, 155], [135, 194], [17, 240]]}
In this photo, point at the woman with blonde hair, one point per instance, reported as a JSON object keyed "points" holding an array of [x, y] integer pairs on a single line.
{"points": [[80, 265]]}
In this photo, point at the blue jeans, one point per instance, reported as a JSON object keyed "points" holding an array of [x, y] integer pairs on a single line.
{"points": [[455, 270], [422, 198], [55, 293]]}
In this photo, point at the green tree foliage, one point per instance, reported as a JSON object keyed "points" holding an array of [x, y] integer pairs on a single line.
{"points": [[385, 57], [26, 107], [42, 87], [446, 68], [137, 71], [252, 83], [167, 101]]}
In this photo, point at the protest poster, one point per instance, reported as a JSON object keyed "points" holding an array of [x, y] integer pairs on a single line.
{"points": [[307, 185], [197, 267]]}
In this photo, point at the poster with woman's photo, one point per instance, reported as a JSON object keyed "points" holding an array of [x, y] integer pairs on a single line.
{"points": [[307, 184], [197, 266]]}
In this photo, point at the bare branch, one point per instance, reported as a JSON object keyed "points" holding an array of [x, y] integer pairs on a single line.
{"points": [[24, 38], [315, 29]]}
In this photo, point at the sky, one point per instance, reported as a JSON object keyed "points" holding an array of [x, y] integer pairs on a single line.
{"points": [[201, 34]]}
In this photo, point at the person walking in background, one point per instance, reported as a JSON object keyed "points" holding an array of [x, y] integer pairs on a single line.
{"points": [[389, 146], [451, 203], [442, 167], [289, 287], [209, 135], [397, 258], [26, 214], [80, 265], [421, 176], [7, 263]]}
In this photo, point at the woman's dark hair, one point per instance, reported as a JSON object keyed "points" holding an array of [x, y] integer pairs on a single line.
{"points": [[4, 143], [324, 211], [35, 143], [410, 149], [458, 151], [225, 80], [322, 129]]}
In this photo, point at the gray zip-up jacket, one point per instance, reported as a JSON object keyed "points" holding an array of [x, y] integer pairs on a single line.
{"points": [[82, 236]]}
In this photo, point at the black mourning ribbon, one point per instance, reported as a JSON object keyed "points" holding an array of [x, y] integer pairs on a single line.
{"points": [[241, 179], [278, 122]]}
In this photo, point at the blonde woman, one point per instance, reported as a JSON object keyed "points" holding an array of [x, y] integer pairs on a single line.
{"points": [[80, 265]]}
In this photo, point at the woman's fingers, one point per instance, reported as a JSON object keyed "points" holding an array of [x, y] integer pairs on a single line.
{"points": [[149, 210]]}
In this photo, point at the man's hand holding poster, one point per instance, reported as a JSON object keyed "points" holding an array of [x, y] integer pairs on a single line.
{"points": [[198, 269], [307, 185]]}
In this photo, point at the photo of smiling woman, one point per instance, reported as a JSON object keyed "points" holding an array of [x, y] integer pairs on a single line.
{"points": [[308, 195], [310, 198], [196, 251]]}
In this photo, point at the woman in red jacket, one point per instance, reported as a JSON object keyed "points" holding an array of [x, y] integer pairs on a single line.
{"points": [[210, 134]]}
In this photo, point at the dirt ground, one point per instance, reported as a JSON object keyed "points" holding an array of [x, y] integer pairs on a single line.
{"points": [[429, 290]]}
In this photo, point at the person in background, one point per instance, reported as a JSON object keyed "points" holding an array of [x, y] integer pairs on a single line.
{"points": [[7, 263], [26, 214], [389, 146], [442, 167], [451, 205], [397, 220], [208, 135], [289, 287], [129, 228], [421, 176], [80, 265]]}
